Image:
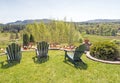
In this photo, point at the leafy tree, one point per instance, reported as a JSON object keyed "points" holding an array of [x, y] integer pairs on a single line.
{"points": [[55, 32]]}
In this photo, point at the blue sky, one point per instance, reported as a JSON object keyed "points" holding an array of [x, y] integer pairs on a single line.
{"points": [[75, 10]]}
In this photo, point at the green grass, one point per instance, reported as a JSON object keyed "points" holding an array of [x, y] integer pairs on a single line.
{"points": [[113, 37], [96, 38], [5, 40], [55, 70]]}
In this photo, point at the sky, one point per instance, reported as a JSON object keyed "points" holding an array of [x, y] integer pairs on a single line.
{"points": [[72, 10]]}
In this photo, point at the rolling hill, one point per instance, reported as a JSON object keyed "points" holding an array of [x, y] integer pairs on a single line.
{"points": [[24, 22]]}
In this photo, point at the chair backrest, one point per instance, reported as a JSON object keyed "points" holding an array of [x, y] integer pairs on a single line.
{"points": [[42, 48], [13, 52], [79, 51]]}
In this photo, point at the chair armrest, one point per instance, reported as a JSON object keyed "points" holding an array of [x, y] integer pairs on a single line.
{"points": [[6, 52], [37, 53], [69, 50]]}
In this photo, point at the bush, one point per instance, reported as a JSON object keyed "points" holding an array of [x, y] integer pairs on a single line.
{"points": [[104, 50]]}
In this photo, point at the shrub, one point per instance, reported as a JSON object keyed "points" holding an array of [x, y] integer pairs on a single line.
{"points": [[104, 50], [25, 39], [116, 41]]}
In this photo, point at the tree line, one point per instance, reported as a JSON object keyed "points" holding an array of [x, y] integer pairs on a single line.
{"points": [[103, 29], [54, 32], [60, 31], [11, 28]]}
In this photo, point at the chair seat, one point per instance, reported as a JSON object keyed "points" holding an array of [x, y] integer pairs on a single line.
{"points": [[41, 53], [71, 55]]}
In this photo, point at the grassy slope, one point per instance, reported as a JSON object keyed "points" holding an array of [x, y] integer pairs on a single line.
{"points": [[57, 71], [95, 38]]}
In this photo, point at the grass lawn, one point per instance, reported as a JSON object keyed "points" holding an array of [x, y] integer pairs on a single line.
{"points": [[55, 70]]}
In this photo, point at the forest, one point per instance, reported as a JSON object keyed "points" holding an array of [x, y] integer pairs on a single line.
{"points": [[61, 31]]}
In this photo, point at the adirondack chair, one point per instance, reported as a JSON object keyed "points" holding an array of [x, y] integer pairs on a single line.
{"points": [[13, 52], [42, 51], [74, 56]]}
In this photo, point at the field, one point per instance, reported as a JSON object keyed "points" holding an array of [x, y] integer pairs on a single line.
{"points": [[55, 70], [94, 38]]}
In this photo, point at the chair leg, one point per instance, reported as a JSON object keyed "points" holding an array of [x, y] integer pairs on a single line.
{"points": [[33, 59], [82, 61], [65, 58], [2, 63], [47, 57]]}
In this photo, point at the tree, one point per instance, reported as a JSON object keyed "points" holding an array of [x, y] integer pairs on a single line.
{"points": [[25, 39], [113, 32], [55, 32], [32, 38]]}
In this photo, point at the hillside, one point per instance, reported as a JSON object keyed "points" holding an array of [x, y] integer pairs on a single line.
{"points": [[24, 22], [103, 21], [29, 21]]}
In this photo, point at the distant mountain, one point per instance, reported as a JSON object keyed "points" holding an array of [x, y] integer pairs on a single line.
{"points": [[24, 22], [29, 21], [102, 21], [1, 24]]}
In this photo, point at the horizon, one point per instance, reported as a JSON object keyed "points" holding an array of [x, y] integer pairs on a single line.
{"points": [[59, 20], [77, 10]]}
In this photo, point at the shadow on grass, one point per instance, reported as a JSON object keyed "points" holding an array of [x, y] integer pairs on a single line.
{"points": [[41, 60], [78, 65], [8, 65]]}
